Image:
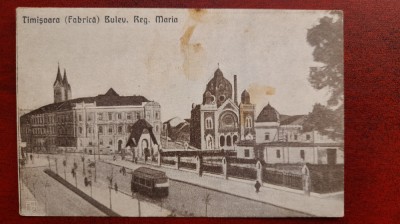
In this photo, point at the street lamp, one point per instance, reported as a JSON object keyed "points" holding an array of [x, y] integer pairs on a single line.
{"points": [[55, 160], [110, 181], [48, 159], [65, 167], [207, 200], [83, 165], [45, 191], [98, 143]]}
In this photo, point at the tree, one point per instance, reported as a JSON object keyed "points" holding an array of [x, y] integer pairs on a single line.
{"points": [[327, 40]]}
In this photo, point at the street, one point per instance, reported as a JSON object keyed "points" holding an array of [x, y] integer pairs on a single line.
{"points": [[184, 199]]}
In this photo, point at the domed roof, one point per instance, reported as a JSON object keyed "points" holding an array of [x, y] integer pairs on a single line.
{"points": [[218, 87], [218, 72], [245, 97], [268, 114]]}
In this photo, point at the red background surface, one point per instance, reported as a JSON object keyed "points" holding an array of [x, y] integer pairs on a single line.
{"points": [[372, 107]]}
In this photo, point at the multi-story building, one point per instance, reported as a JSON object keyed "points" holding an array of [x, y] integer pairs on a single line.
{"points": [[219, 122], [280, 139], [89, 124]]}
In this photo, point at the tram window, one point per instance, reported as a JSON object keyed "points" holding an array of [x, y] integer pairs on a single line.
{"points": [[142, 181], [161, 180], [148, 183], [136, 179]]}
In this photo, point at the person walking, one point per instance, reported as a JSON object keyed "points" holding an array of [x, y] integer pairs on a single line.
{"points": [[116, 187], [257, 186]]}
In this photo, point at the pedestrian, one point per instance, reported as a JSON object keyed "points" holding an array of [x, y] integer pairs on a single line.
{"points": [[257, 186], [30, 156], [116, 187]]}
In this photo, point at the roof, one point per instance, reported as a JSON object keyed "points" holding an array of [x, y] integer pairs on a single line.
{"points": [[268, 114], [217, 86], [58, 78], [111, 98], [245, 97], [137, 130], [149, 173], [292, 120]]}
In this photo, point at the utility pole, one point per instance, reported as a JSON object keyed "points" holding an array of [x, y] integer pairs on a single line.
{"points": [[110, 181], [55, 160], [207, 200], [98, 142], [45, 195]]}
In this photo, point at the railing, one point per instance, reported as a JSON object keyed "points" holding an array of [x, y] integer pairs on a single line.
{"points": [[242, 172], [212, 169], [168, 162], [285, 179], [186, 165], [191, 153]]}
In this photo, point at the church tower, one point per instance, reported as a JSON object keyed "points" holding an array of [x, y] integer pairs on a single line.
{"points": [[58, 87], [247, 113], [67, 87], [61, 87]]}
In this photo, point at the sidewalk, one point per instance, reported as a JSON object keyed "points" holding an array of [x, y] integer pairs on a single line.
{"points": [[29, 205], [121, 203], [315, 206]]}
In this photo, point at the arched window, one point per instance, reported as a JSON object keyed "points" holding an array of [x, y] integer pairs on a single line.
{"points": [[228, 140], [209, 123], [249, 122], [235, 139], [100, 130], [222, 141]]}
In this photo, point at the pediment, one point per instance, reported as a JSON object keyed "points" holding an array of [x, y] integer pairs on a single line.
{"points": [[229, 105]]}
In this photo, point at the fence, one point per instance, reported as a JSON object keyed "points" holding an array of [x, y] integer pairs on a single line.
{"points": [[281, 178], [168, 162], [187, 165], [191, 153], [326, 178], [242, 172], [212, 169]]}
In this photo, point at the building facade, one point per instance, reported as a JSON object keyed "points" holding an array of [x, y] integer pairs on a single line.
{"points": [[88, 124], [280, 139], [219, 121]]}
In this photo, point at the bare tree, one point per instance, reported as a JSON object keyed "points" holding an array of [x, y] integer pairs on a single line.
{"points": [[206, 200]]}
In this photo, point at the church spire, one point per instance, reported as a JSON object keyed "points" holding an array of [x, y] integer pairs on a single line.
{"points": [[58, 78], [65, 80]]}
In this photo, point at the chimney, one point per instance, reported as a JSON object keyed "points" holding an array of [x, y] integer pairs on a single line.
{"points": [[235, 89]]}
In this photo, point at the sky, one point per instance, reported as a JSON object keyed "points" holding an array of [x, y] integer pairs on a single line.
{"points": [[170, 63]]}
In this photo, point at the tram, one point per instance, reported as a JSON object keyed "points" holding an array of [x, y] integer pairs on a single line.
{"points": [[153, 183]]}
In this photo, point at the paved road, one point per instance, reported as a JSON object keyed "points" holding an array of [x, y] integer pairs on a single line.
{"points": [[53, 199], [184, 199]]}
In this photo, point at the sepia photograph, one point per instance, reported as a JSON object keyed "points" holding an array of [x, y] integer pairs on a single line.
{"points": [[180, 112]]}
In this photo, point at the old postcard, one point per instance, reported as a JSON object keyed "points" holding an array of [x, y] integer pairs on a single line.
{"points": [[180, 112]]}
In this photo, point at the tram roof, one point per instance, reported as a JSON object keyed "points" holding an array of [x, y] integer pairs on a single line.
{"points": [[149, 173]]}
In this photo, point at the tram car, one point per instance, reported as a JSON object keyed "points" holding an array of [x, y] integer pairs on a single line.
{"points": [[153, 183]]}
